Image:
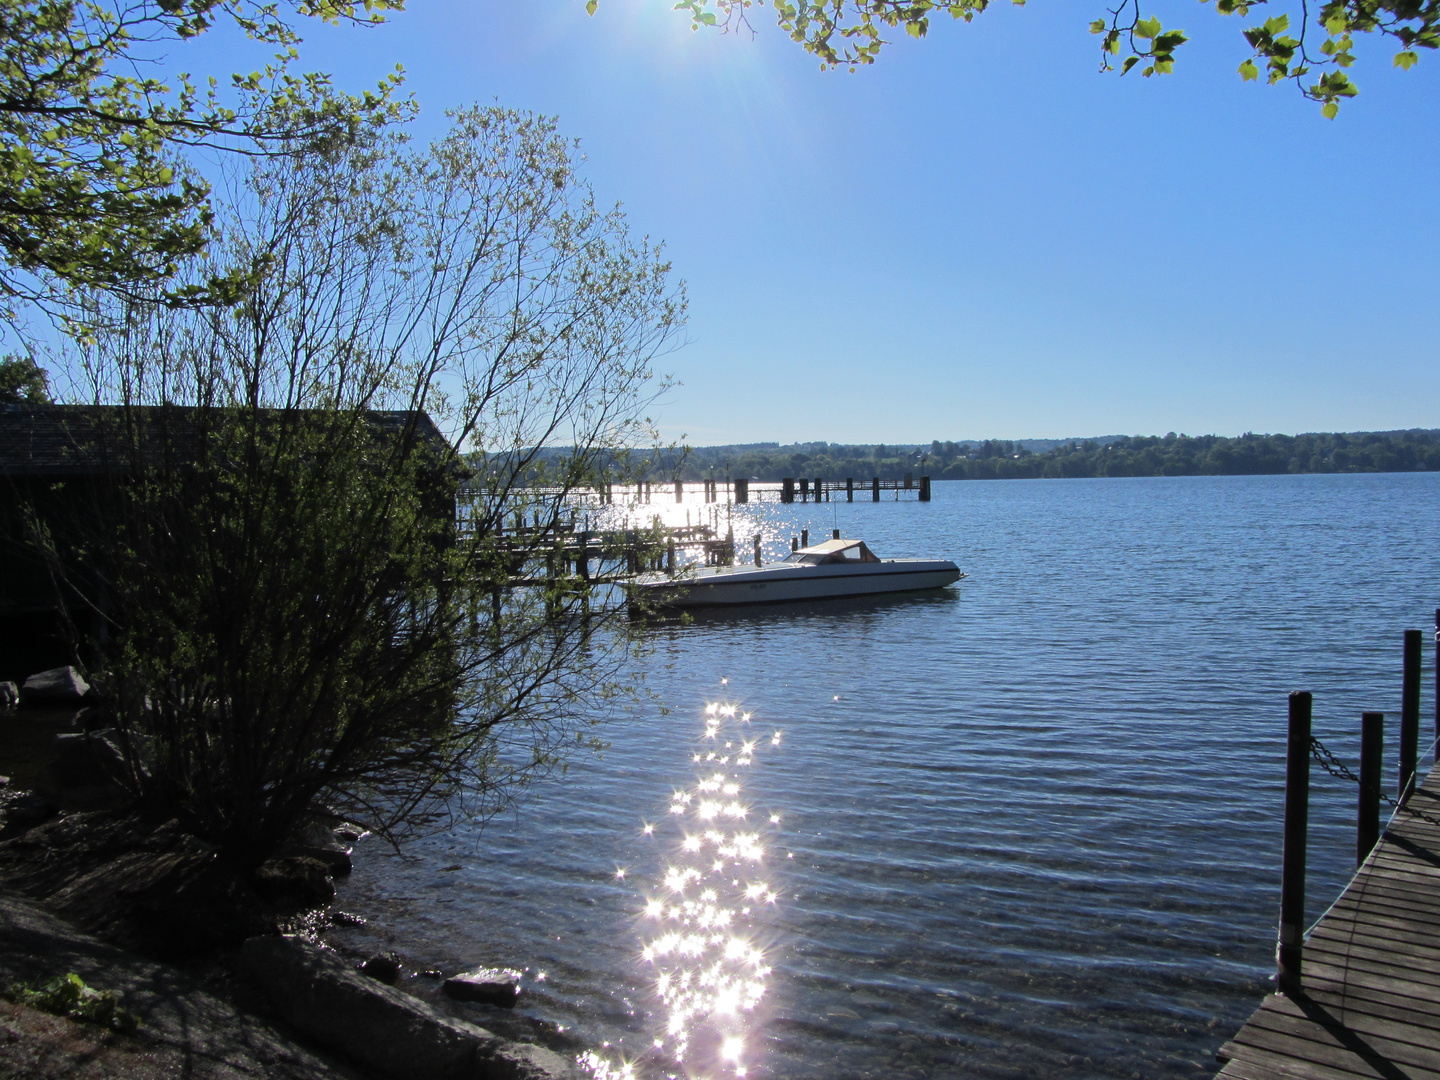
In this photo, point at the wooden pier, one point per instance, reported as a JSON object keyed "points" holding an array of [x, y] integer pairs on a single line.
{"points": [[1359, 996], [1369, 998]]}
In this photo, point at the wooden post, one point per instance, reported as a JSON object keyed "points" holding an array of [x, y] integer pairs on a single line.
{"points": [[909, 481], [875, 489], [1292, 868], [757, 549], [730, 543], [924, 489], [818, 488], [804, 537], [834, 534], [670, 556], [804, 489], [787, 489], [850, 497], [794, 543], [1372, 752], [1409, 714], [742, 491], [679, 491], [582, 564]]}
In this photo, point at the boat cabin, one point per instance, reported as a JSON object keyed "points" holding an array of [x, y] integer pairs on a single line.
{"points": [[833, 551]]}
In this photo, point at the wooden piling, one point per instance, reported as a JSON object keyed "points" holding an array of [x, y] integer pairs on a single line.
{"points": [[875, 489], [909, 481], [794, 543], [834, 534], [804, 489], [1409, 714], [757, 549], [742, 491], [787, 489], [850, 497], [804, 537], [819, 488], [924, 489], [1292, 869], [1372, 753]]}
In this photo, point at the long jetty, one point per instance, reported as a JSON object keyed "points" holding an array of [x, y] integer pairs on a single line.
{"points": [[738, 491], [1359, 995]]}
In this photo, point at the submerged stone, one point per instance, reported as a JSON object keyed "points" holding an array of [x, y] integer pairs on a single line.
{"points": [[485, 986]]}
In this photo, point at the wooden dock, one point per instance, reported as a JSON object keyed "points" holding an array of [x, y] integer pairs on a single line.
{"points": [[1369, 1003]]}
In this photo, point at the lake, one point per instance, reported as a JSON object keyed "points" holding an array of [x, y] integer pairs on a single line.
{"points": [[1027, 826]]}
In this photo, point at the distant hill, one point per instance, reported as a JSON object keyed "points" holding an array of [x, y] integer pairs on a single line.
{"points": [[1110, 455]]}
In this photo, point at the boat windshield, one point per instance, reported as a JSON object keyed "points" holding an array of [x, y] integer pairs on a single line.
{"points": [[807, 558]]}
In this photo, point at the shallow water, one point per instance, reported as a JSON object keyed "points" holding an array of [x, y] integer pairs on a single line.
{"points": [[1027, 826]]}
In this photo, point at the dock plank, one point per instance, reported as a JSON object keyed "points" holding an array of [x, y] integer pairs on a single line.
{"points": [[1370, 1004]]}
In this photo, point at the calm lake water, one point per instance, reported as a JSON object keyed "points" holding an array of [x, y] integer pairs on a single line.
{"points": [[1028, 826]]}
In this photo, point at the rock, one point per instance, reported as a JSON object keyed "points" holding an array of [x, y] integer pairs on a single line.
{"points": [[486, 986], [296, 881], [9, 696], [88, 760], [383, 1028], [382, 967], [58, 686], [318, 841], [24, 810]]}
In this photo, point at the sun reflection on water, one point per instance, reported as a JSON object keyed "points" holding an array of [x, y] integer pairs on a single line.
{"points": [[703, 918]]}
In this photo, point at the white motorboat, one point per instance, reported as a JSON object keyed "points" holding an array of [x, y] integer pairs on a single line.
{"points": [[834, 568]]}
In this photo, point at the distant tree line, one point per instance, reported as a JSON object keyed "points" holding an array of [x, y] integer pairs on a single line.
{"points": [[1140, 455]]}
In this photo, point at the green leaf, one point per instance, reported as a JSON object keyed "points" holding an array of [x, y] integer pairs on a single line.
{"points": [[1130, 62], [1098, 26], [1248, 71], [1330, 110], [590, 6], [1406, 60], [1147, 28]]}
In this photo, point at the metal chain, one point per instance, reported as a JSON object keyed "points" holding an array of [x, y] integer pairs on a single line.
{"points": [[1336, 768]]}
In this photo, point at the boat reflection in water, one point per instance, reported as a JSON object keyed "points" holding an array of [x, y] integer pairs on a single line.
{"points": [[703, 919]]}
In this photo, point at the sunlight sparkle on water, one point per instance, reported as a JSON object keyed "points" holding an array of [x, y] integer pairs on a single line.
{"points": [[705, 945]]}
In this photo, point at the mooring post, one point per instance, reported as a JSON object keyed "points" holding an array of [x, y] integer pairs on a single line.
{"points": [[804, 537], [679, 491], [818, 488], [1292, 866], [582, 564], [850, 497], [742, 491], [875, 489], [834, 534], [1372, 752], [787, 489], [804, 489], [757, 549], [670, 556], [1409, 714], [924, 489], [794, 543]]}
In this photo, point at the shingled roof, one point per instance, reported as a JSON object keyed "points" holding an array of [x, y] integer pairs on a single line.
{"points": [[69, 440]]}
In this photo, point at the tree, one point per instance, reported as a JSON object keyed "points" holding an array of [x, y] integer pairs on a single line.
{"points": [[95, 192], [22, 380], [292, 618], [850, 32]]}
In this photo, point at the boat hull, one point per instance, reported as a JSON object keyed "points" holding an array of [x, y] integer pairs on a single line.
{"points": [[728, 587]]}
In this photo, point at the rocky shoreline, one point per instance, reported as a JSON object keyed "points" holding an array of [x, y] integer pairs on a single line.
{"points": [[233, 974]]}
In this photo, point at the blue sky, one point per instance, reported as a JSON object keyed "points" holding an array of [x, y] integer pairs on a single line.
{"points": [[980, 236]]}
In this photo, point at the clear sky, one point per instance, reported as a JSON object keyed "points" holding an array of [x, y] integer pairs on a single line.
{"points": [[980, 236]]}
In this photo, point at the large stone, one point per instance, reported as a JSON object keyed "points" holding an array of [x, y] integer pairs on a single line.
{"points": [[9, 696], [486, 986], [58, 686], [383, 1028]]}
